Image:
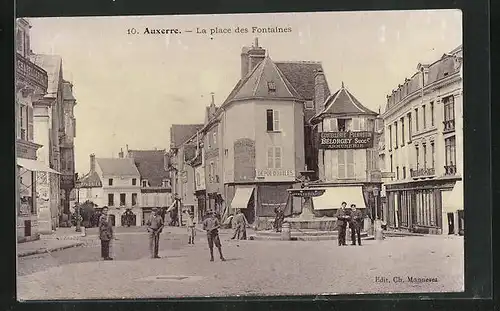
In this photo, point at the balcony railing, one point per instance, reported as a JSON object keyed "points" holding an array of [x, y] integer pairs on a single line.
{"points": [[449, 126], [27, 70], [450, 169], [422, 172]]}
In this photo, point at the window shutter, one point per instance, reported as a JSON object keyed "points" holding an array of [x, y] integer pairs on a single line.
{"points": [[30, 123], [333, 125], [355, 124], [342, 167], [277, 157], [350, 163], [327, 125], [348, 125], [270, 157], [269, 119], [18, 119], [276, 120]]}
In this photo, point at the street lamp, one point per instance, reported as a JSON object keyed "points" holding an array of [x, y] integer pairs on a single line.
{"points": [[78, 224], [375, 196]]}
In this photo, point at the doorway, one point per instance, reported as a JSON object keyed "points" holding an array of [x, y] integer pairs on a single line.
{"points": [[451, 223]]}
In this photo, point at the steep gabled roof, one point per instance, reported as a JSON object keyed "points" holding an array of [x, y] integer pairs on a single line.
{"points": [[179, 133], [151, 165], [52, 64], [343, 102], [301, 74], [255, 84], [117, 166], [91, 180]]}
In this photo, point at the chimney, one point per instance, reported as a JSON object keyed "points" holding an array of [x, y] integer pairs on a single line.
{"points": [[251, 57], [319, 90], [92, 163], [120, 154]]}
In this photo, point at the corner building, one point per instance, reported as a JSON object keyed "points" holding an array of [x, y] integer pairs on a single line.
{"points": [[424, 149]]}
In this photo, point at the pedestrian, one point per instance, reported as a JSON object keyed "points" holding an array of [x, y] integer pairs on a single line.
{"points": [[240, 226], [190, 224], [105, 233], [155, 227], [278, 220], [211, 224], [355, 224], [342, 219]]}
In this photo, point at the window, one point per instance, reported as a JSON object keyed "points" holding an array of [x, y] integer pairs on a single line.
{"points": [[134, 181], [392, 167], [89, 192], [134, 199], [164, 183], [397, 172], [424, 119], [346, 163], [416, 120], [309, 104], [417, 157], [23, 116], [449, 108], [390, 137], [432, 113], [273, 120], [271, 86], [122, 199], [274, 157], [404, 172], [20, 42], [396, 133], [198, 179], [110, 182], [450, 155], [144, 183], [30, 123], [409, 127], [350, 163], [111, 199], [402, 131], [424, 149], [433, 155], [344, 125]]}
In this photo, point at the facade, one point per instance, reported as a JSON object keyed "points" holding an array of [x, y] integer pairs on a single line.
{"points": [[424, 149], [347, 155], [154, 182], [55, 130]]}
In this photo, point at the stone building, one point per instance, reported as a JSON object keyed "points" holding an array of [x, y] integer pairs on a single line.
{"points": [[347, 154], [424, 149]]}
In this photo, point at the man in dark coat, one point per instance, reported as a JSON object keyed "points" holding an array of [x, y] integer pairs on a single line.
{"points": [[105, 233], [355, 224], [278, 220], [155, 226], [342, 219], [211, 224]]}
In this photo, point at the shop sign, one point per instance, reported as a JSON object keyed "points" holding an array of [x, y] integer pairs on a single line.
{"points": [[346, 140], [274, 172]]}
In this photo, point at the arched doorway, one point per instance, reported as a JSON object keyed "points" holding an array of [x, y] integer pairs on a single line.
{"points": [[128, 219]]}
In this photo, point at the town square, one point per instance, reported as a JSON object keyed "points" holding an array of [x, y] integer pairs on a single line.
{"points": [[291, 161]]}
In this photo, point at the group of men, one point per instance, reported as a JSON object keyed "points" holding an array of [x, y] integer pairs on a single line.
{"points": [[354, 218]]}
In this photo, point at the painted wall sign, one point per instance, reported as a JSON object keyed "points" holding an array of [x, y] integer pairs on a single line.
{"points": [[346, 140], [274, 172]]}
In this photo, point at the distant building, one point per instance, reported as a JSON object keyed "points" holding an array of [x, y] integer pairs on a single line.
{"points": [[347, 154], [156, 191], [424, 149]]}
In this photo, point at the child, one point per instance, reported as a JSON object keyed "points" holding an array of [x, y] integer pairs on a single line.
{"points": [[191, 228], [212, 225]]}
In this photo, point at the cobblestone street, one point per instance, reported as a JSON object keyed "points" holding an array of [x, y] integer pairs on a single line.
{"points": [[252, 268]]}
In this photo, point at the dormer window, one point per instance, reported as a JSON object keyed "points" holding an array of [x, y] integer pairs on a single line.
{"points": [[271, 86], [144, 183]]}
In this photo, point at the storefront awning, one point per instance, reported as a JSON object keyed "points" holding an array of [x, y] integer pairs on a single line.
{"points": [[242, 196], [35, 166], [334, 196], [454, 200]]}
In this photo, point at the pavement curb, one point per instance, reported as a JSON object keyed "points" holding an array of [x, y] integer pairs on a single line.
{"points": [[49, 250]]}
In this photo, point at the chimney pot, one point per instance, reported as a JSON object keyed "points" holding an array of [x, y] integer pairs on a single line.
{"points": [[256, 42]]}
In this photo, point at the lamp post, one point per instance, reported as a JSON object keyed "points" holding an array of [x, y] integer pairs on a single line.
{"points": [[78, 224]]}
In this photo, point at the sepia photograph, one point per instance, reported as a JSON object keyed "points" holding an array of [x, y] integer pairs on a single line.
{"points": [[228, 155]]}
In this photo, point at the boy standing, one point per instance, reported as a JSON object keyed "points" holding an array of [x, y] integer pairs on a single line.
{"points": [[211, 224], [191, 227]]}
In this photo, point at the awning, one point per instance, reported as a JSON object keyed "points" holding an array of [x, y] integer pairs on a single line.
{"points": [[334, 196], [271, 197], [454, 200], [35, 166], [242, 196]]}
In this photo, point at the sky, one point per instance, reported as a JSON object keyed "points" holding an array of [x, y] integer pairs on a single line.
{"points": [[130, 88]]}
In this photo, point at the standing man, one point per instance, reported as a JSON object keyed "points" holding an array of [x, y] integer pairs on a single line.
{"points": [[342, 218], [155, 226], [240, 226], [278, 220], [211, 224], [355, 224], [105, 233]]}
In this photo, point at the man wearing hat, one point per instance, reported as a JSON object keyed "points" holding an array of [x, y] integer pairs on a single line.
{"points": [[155, 226], [355, 224], [342, 219], [211, 224]]}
